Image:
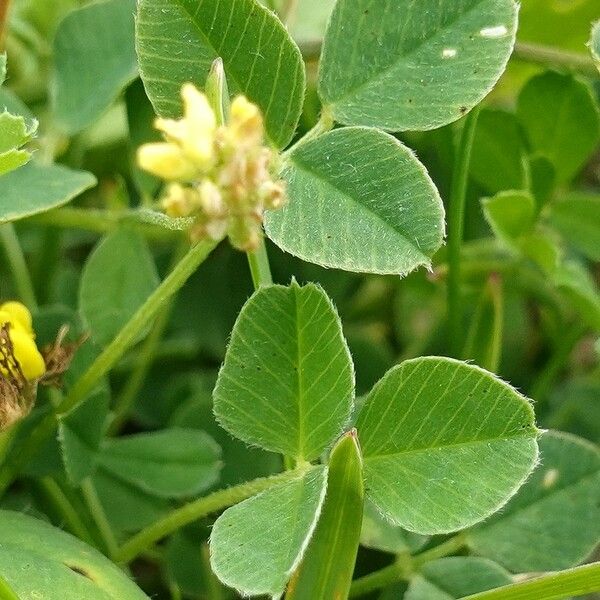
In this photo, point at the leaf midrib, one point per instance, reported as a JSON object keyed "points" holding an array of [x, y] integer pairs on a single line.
{"points": [[530, 433], [425, 260], [418, 46]]}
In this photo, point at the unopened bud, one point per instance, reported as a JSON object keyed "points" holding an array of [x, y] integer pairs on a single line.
{"points": [[177, 202], [246, 122], [272, 194], [211, 200]]}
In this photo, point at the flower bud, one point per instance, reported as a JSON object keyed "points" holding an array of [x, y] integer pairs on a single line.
{"points": [[246, 122], [211, 200], [177, 201]]}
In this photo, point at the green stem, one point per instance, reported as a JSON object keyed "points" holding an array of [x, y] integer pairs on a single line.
{"points": [[18, 266], [400, 570], [548, 56], [101, 221], [456, 219], [99, 516], [46, 266], [547, 376], [195, 510], [109, 356], [127, 336], [552, 586], [72, 521], [144, 360], [323, 125], [259, 266]]}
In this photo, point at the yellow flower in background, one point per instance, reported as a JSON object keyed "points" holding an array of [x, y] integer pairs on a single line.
{"points": [[222, 176], [24, 349]]}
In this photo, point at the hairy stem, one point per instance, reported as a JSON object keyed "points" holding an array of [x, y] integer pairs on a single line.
{"points": [[548, 56], [456, 219], [195, 510], [259, 266], [99, 516]]}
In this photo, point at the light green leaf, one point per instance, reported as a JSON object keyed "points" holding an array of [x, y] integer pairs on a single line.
{"points": [[308, 21], [80, 433], [561, 121], [541, 248], [287, 382], [257, 544], [554, 521], [40, 561], [359, 200], [378, 534], [510, 214], [117, 278], [576, 283], [403, 65], [595, 43], [455, 441], [172, 463], [577, 217], [455, 577], [328, 564], [95, 59], [37, 188], [498, 159], [177, 41]]}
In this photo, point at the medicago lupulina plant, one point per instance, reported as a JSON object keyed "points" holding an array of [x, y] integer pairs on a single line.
{"points": [[221, 435]]}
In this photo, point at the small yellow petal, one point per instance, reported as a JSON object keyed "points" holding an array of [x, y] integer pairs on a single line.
{"points": [[199, 115], [246, 122], [19, 314], [166, 161], [27, 355]]}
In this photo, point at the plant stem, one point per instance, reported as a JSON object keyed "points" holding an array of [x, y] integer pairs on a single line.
{"points": [[547, 376], [552, 586], [548, 56], [144, 360], [127, 336], [97, 511], [399, 570], [18, 266], [456, 219], [72, 520], [323, 125], [195, 510], [109, 356], [259, 266], [46, 266], [101, 221]]}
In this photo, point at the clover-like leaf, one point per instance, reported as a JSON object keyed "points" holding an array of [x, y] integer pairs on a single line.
{"points": [[177, 41], [40, 561], [510, 214], [37, 188], [287, 382], [558, 504], [445, 444], [95, 59], [359, 200], [257, 544], [403, 65]]}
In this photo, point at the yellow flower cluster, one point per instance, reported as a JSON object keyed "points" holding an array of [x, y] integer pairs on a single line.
{"points": [[222, 175], [22, 338]]}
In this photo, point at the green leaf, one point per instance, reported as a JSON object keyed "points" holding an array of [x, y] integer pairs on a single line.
{"points": [[117, 279], [177, 41], [378, 534], [80, 433], [94, 53], [40, 561], [37, 188], [510, 214], [595, 43], [577, 217], [359, 200], [328, 564], [308, 21], [554, 521], [257, 544], [173, 463], [576, 283], [455, 441], [561, 121], [542, 250], [498, 159], [455, 577], [403, 65], [287, 382]]}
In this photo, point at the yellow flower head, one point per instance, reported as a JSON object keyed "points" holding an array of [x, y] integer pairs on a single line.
{"points": [[24, 349]]}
